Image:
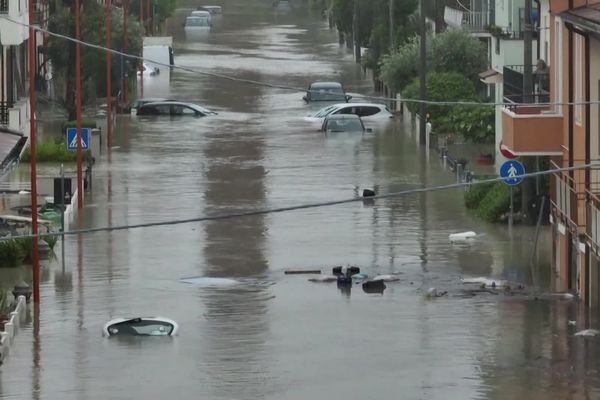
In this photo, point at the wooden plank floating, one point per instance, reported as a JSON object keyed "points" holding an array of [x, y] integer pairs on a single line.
{"points": [[302, 271]]}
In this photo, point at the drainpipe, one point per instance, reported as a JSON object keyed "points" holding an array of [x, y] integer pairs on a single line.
{"points": [[537, 28], [586, 37]]}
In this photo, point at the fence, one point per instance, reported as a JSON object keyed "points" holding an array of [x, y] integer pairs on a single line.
{"points": [[11, 327]]}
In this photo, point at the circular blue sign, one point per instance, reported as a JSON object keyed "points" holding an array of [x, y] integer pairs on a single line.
{"points": [[512, 171]]}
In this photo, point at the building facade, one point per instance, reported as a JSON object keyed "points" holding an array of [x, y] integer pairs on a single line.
{"points": [[567, 130]]}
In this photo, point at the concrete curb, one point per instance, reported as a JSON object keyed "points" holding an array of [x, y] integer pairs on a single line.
{"points": [[11, 328]]}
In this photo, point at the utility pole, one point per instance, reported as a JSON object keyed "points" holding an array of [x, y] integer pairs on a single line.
{"points": [[108, 75], [142, 61], [423, 75], [392, 24], [32, 144], [125, 45], [527, 193], [527, 55], [356, 33], [78, 105]]}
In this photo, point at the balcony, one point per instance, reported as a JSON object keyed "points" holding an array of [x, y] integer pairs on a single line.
{"points": [[474, 21], [569, 197], [532, 130]]}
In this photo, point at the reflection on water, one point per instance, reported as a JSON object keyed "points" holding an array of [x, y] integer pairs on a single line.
{"points": [[276, 336]]}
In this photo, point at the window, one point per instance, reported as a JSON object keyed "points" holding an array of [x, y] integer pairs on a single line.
{"points": [[497, 44], [578, 65], [187, 111], [367, 111], [347, 110]]}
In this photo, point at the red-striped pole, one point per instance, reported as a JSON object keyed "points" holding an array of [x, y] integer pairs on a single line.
{"points": [[78, 106], [32, 144], [108, 75]]}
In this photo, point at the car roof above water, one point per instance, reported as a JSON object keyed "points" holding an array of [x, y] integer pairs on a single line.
{"points": [[342, 116], [316, 85]]}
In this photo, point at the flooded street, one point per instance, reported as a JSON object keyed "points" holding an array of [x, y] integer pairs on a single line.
{"points": [[263, 334]]}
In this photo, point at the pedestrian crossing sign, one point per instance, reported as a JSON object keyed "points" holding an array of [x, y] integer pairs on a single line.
{"points": [[72, 138]]}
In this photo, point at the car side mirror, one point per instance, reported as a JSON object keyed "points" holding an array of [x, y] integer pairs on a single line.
{"points": [[348, 97], [305, 98], [369, 130]]}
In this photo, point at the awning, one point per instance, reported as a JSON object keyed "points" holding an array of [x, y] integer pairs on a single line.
{"points": [[586, 18], [11, 143], [490, 76]]}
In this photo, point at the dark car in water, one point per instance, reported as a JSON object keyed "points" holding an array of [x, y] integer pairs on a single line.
{"points": [[326, 91], [140, 326], [174, 108]]}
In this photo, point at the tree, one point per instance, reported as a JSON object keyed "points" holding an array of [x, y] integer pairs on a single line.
{"points": [[453, 50], [93, 68]]}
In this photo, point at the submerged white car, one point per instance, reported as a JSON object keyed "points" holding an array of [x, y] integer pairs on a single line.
{"points": [[140, 326], [366, 111]]}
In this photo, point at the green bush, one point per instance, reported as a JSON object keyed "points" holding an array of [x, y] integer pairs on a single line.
{"points": [[51, 240], [26, 248], [442, 86], [475, 193], [475, 123], [53, 150], [495, 203], [85, 123], [11, 254]]}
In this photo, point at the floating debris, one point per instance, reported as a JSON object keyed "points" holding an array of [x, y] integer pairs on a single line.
{"points": [[571, 323], [359, 277], [433, 292], [324, 278], [374, 286], [588, 333], [387, 278], [209, 281], [486, 282], [462, 236], [301, 271]]}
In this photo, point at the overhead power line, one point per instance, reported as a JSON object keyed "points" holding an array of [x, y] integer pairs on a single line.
{"points": [[265, 211], [287, 87]]}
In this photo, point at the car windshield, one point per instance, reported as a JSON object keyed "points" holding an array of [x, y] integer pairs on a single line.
{"points": [[197, 21], [344, 125], [331, 93], [325, 111], [139, 327]]}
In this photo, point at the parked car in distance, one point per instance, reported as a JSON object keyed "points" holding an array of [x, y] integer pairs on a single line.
{"points": [[366, 111], [174, 108], [140, 326], [134, 105], [212, 9], [195, 22], [343, 123], [326, 91]]}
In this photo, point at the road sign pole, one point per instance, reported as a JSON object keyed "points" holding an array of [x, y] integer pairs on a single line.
{"points": [[510, 211]]}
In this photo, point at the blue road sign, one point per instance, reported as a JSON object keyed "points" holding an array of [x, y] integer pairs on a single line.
{"points": [[72, 138], [512, 171]]}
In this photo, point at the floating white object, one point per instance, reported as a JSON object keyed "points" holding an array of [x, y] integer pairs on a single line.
{"points": [[486, 281], [572, 323], [588, 332], [387, 278], [24, 192], [456, 237], [208, 281], [324, 278]]}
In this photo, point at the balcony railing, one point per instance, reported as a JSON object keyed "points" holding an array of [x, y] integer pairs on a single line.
{"points": [[477, 20], [568, 199], [513, 85], [4, 107]]}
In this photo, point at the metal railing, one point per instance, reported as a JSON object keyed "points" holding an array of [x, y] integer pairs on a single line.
{"points": [[568, 200], [4, 114], [513, 85], [477, 19]]}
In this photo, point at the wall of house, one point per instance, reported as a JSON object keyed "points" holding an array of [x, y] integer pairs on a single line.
{"points": [[594, 96]]}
